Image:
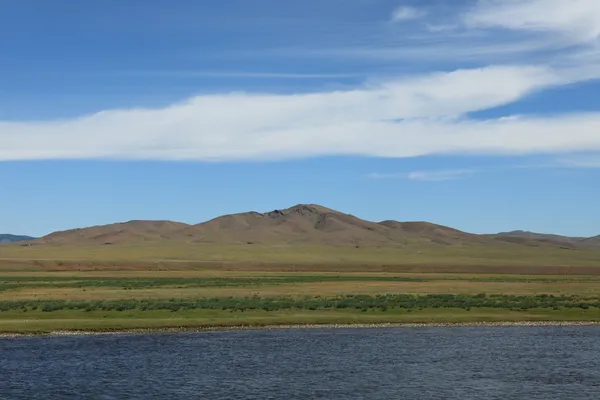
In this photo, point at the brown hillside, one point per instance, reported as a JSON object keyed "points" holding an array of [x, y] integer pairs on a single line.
{"points": [[539, 236], [132, 231], [431, 232], [592, 242], [534, 239], [310, 223]]}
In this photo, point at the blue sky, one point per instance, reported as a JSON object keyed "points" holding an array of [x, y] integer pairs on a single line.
{"points": [[483, 114]]}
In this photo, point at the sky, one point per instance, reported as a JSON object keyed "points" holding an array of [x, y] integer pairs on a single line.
{"points": [[483, 115]]}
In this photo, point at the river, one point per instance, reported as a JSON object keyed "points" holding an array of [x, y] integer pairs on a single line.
{"points": [[395, 363]]}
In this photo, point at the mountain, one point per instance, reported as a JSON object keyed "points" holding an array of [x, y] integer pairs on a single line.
{"points": [[311, 223], [302, 224], [6, 238]]}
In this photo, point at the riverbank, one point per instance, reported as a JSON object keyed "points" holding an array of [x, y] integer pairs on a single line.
{"points": [[43, 323], [302, 327]]}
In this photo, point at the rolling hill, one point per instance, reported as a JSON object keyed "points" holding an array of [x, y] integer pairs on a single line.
{"points": [[538, 239], [123, 232]]}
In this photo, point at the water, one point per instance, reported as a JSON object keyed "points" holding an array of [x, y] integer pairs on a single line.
{"points": [[404, 363]]}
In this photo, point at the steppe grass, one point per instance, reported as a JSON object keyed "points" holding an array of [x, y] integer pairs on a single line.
{"points": [[40, 322], [170, 255]]}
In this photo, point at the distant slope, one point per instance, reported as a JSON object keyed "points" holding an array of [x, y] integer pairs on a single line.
{"points": [[539, 236], [7, 238], [124, 232], [537, 239], [592, 242]]}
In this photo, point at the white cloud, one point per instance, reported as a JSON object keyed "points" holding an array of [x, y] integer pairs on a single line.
{"points": [[577, 20], [404, 117], [407, 117], [406, 13]]}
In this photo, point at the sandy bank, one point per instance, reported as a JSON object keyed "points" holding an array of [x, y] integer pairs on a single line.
{"points": [[301, 326]]}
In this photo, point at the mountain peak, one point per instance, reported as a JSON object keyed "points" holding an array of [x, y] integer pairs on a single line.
{"points": [[302, 209]]}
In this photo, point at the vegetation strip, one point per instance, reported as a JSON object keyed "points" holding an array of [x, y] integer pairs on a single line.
{"points": [[17, 282], [359, 302], [11, 283]]}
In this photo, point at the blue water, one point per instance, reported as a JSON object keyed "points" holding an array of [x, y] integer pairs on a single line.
{"points": [[404, 363]]}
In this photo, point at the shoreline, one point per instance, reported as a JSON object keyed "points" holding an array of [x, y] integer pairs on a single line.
{"points": [[216, 328]]}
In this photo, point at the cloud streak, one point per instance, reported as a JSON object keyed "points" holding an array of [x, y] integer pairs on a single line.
{"points": [[405, 13], [582, 161], [232, 74], [428, 176], [407, 117], [443, 175]]}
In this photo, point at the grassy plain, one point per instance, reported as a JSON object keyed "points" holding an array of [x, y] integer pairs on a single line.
{"points": [[175, 255], [160, 285], [100, 296]]}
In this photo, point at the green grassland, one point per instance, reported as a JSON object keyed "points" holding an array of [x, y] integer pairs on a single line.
{"points": [[106, 321], [36, 300]]}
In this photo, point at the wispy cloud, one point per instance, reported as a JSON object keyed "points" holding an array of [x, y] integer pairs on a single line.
{"points": [[377, 175], [444, 175], [406, 116], [576, 161], [507, 31], [406, 13], [463, 50]]}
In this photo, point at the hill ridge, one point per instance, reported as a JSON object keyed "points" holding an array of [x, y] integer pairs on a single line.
{"points": [[6, 238]]}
